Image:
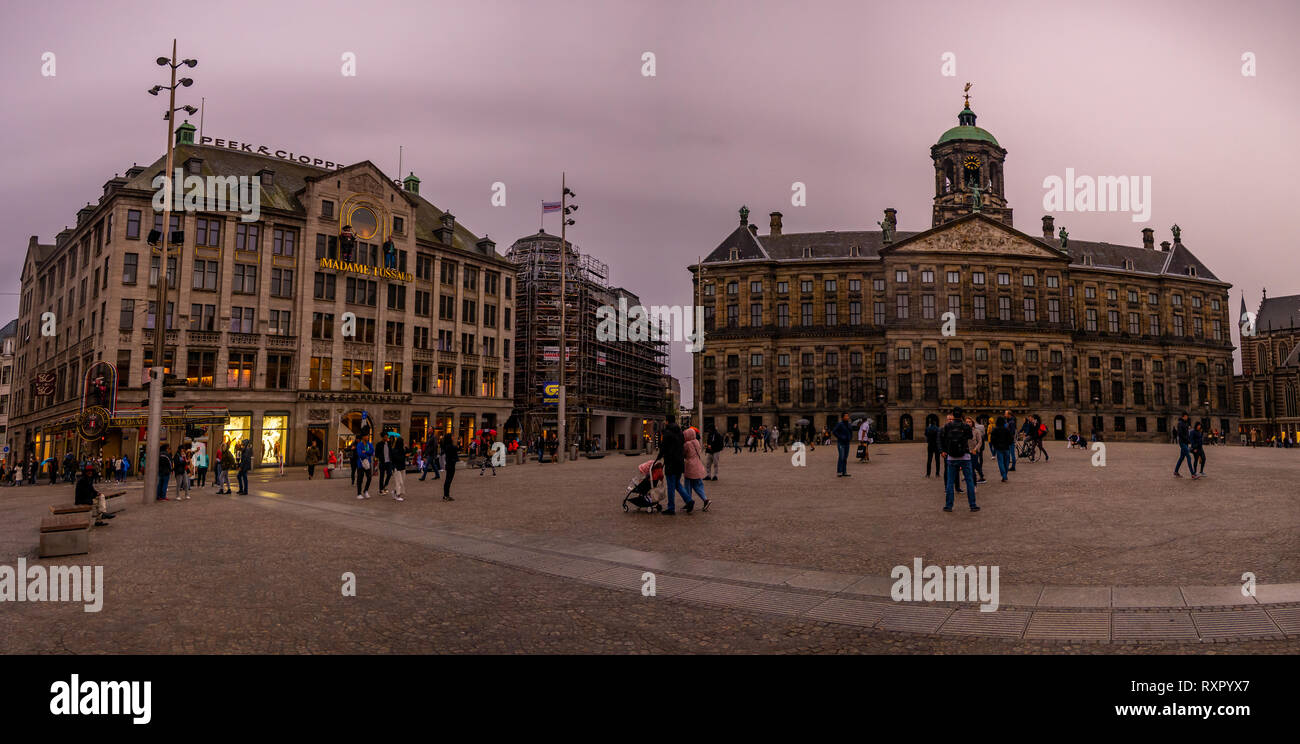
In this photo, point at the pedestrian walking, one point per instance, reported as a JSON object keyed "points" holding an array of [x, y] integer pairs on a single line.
{"points": [[450, 456], [397, 467], [364, 453], [430, 458], [330, 465], [485, 453], [313, 457], [245, 465], [201, 467], [1183, 435], [713, 446], [843, 434], [165, 466], [181, 464], [864, 440], [1198, 449], [1001, 442], [672, 449], [955, 439], [976, 448], [225, 464], [1011, 427], [693, 466], [384, 461], [932, 449]]}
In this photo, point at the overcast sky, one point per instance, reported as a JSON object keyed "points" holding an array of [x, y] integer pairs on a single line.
{"points": [[748, 97]]}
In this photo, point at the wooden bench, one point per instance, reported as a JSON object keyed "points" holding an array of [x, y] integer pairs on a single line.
{"points": [[114, 503], [66, 532]]}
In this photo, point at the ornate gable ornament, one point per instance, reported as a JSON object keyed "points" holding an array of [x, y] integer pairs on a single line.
{"points": [[974, 235]]}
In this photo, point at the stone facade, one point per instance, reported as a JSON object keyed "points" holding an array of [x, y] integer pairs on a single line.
{"points": [[258, 319], [1268, 389], [1086, 335]]}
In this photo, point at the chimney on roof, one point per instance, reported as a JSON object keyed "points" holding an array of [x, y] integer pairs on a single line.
{"points": [[776, 224], [448, 228], [411, 183], [1164, 246], [1049, 227], [1148, 238], [486, 246]]}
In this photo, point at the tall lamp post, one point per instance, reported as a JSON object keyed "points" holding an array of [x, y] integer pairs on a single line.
{"points": [[565, 210], [152, 447]]}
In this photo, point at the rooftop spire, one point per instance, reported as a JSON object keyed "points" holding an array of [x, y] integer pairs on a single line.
{"points": [[967, 117]]}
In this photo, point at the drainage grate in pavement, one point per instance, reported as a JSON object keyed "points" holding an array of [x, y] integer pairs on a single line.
{"points": [[1235, 623], [1153, 626], [999, 624], [781, 603], [914, 618], [848, 611], [1069, 626], [1287, 618]]}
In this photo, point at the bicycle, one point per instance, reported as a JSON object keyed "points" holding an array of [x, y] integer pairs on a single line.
{"points": [[1026, 449]]}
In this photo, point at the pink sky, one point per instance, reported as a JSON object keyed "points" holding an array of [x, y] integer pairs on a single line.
{"points": [[749, 97]]}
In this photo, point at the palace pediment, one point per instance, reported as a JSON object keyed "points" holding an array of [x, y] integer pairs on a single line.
{"points": [[975, 234]]}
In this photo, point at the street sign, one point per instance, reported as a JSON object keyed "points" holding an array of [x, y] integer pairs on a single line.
{"points": [[551, 394]]}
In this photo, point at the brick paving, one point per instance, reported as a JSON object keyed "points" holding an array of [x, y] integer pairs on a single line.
{"points": [[262, 575]]}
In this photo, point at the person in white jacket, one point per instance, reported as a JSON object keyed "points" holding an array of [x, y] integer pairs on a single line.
{"points": [[864, 439]]}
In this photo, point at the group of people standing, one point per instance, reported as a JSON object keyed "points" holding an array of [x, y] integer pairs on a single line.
{"points": [[390, 459], [190, 468]]}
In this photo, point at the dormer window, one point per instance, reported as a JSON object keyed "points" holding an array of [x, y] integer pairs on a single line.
{"points": [[733, 253], [1128, 264], [1087, 259], [854, 251], [266, 176], [807, 251], [193, 165], [1191, 271]]}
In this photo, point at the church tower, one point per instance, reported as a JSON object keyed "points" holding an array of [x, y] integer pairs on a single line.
{"points": [[968, 172]]}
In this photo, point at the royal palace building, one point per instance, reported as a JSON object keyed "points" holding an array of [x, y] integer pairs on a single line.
{"points": [[342, 293], [900, 326], [1268, 388]]}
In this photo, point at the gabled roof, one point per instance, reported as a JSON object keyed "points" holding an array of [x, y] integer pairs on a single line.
{"points": [[978, 229], [744, 241], [10, 329], [1278, 312]]}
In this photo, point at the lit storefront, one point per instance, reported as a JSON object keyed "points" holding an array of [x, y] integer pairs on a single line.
{"points": [[275, 437], [239, 429]]}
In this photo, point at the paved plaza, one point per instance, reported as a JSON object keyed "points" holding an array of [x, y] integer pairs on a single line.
{"points": [[541, 558]]}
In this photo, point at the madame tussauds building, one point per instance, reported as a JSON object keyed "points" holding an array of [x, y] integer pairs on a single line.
{"points": [[347, 294]]}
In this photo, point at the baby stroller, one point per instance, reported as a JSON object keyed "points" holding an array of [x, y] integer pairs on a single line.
{"points": [[647, 490]]}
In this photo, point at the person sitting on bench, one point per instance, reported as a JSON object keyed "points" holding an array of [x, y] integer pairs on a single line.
{"points": [[88, 496]]}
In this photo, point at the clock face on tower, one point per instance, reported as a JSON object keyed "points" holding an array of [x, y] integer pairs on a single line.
{"points": [[971, 163]]}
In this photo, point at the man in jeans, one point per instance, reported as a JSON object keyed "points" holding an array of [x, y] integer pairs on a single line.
{"points": [[1184, 434], [712, 453], [165, 472], [954, 438], [843, 433]]}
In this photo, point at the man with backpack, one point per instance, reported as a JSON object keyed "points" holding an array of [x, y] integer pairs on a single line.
{"points": [[932, 449], [714, 445], [954, 438]]}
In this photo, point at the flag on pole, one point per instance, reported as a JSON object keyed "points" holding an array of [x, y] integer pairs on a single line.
{"points": [[548, 207]]}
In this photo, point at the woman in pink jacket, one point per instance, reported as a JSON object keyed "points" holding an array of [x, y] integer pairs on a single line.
{"points": [[694, 471]]}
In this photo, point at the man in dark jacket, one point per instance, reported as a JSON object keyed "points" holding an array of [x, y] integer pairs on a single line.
{"points": [[843, 433], [932, 450], [397, 462], [954, 439], [164, 472], [1184, 433], [1011, 427], [450, 455], [714, 444], [245, 465], [430, 457], [672, 448]]}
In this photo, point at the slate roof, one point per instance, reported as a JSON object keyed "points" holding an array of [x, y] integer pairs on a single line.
{"points": [[836, 244], [11, 329], [290, 178], [1278, 312]]}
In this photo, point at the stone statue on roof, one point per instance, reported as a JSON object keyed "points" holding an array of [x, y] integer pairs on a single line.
{"points": [[1065, 238], [1178, 234], [887, 227]]}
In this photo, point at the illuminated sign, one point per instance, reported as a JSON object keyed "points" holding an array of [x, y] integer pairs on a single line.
{"points": [[551, 394], [363, 269]]}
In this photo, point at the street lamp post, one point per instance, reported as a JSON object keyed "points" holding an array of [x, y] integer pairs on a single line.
{"points": [[160, 310], [565, 221]]}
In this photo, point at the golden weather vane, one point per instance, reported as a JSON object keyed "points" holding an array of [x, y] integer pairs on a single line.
{"points": [[967, 91]]}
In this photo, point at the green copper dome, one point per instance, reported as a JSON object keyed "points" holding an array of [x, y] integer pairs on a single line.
{"points": [[967, 130]]}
